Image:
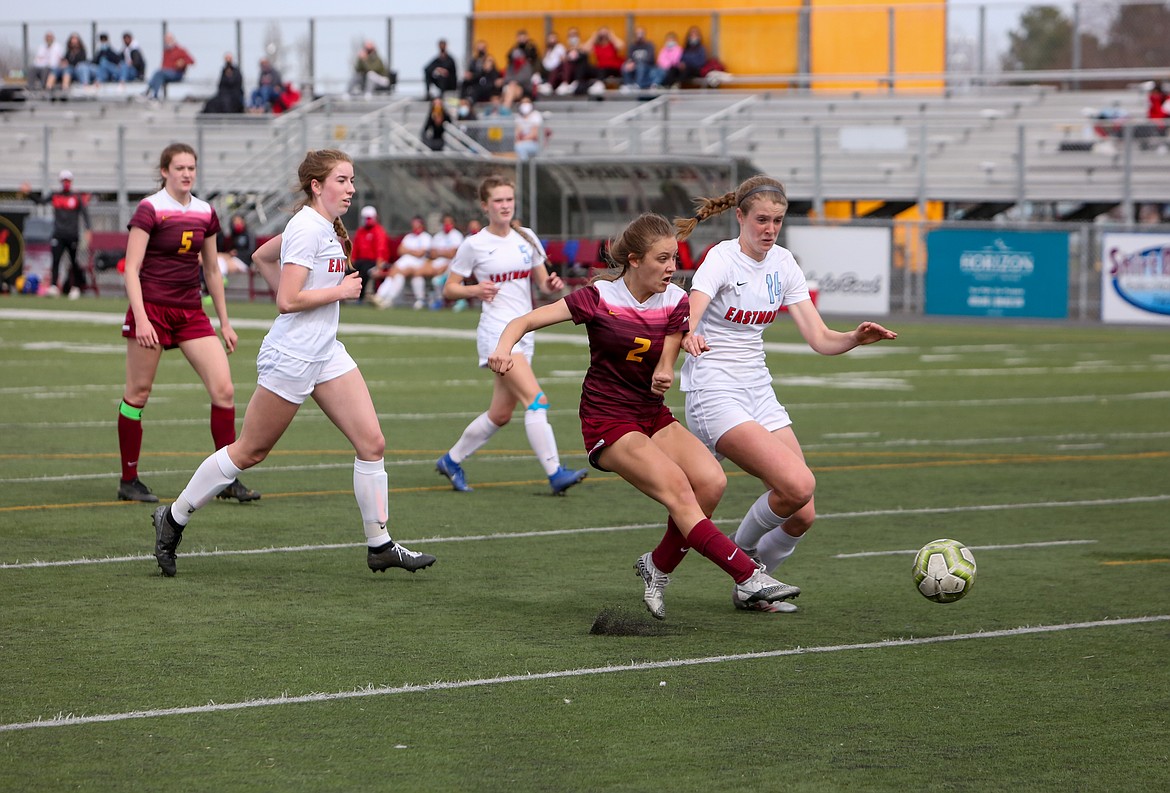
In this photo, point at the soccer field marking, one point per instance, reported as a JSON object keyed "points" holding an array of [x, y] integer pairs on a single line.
{"points": [[912, 551], [69, 720], [901, 512], [1137, 561]]}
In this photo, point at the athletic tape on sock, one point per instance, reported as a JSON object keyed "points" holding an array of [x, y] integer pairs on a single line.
{"points": [[536, 403], [130, 412]]}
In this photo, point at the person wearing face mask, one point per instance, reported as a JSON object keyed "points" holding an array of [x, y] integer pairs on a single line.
{"points": [[694, 57], [234, 247], [444, 244], [554, 56], [529, 127], [665, 66], [575, 73], [474, 70], [371, 247]]}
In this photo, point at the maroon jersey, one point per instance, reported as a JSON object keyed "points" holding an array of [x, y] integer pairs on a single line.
{"points": [[625, 344], [171, 267]]}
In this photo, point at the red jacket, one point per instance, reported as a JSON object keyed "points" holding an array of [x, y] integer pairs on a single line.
{"points": [[176, 59], [370, 244]]}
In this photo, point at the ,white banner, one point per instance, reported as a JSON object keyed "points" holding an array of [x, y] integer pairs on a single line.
{"points": [[850, 267], [1135, 278]]}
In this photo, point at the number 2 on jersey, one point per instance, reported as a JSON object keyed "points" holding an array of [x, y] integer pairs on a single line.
{"points": [[635, 354], [185, 242]]}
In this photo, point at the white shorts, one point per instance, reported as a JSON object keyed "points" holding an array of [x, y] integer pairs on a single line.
{"points": [[408, 263], [487, 336], [712, 412], [295, 379]]}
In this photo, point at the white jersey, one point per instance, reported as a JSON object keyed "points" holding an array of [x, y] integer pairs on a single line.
{"points": [[505, 261], [442, 240], [746, 296], [309, 241], [417, 244]]}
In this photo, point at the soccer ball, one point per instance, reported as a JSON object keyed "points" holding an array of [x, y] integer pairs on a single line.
{"points": [[944, 570]]}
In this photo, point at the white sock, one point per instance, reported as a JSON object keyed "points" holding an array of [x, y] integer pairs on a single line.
{"points": [[759, 520], [776, 546], [213, 475], [478, 432], [418, 285], [542, 440], [391, 287], [371, 491]]}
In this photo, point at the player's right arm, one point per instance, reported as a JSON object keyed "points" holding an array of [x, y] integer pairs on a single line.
{"points": [[500, 361], [136, 243]]}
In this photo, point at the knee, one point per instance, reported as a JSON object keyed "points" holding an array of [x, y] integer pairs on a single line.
{"points": [[223, 394], [371, 448], [137, 396], [245, 458], [709, 491], [499, 418], [795, 490]]}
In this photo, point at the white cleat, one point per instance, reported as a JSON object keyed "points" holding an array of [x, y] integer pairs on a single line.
{"points": [[762, 586], [656, 581]]}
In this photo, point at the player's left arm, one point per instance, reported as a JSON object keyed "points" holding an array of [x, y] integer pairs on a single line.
{"points": [[214, 280], [827, 341], [548, 283], [663, 377]]}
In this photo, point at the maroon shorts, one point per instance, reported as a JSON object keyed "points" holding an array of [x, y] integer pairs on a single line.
{"points": [[173, 325], [602, 432]]}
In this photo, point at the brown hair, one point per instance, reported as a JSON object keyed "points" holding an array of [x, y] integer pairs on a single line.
{"points": [[485, 192], [315, 168], [635, 240], [755, 189], [168, 154]]}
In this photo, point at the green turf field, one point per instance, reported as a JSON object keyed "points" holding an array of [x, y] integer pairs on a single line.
{"points": [[276, 661]]}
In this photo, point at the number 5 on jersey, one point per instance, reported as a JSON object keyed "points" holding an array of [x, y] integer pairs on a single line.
{"points": [[185, 242]]}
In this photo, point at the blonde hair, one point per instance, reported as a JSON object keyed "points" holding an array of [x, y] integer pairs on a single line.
{"points": [[315, 168], [485, 192], [750, 190], [635, 240]]}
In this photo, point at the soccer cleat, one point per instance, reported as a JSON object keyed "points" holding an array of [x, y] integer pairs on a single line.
{"points": [[563, 478], [395, 555], [454, 472], [166, 541], [239, 492], [135, 490], [779, 607], [762, 586], [656, 581]]}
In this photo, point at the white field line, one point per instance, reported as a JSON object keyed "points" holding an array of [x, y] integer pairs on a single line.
{"points": [[69, 720], [626, 527], [1013, 546]]}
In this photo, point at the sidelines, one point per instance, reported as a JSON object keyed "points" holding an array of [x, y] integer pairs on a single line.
{"points": [[638, 526], [381, 691]]}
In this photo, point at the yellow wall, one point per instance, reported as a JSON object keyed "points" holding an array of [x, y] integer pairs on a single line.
{"points": [[756, 37]]}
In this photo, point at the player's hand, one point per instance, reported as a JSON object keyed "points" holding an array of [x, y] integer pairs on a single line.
{"points": [[695, 344], [500, 362], [488, 291], [351, 286], [553, 284], [661, 382], [869, 332], [145, 335], [230, 339]]}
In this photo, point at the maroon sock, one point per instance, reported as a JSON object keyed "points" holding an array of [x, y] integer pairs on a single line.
{"points": [[223, 426], [671, 548], [130, 440], [718, 547]]}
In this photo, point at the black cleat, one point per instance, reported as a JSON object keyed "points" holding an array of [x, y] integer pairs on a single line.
{"points": [[395, 555], [166, 541], [239, 492], [135, 490]]}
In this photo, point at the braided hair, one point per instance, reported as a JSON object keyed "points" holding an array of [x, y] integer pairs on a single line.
{"points": [[743, 197]]}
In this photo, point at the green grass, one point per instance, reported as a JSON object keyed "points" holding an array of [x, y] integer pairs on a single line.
{"points": [[994, 434]]}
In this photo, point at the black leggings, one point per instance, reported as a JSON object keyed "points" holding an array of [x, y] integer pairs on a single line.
{"points": [[76, 277]]}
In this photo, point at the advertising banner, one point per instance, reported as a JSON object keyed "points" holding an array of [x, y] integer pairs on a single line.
{"points": [[997, 273], [849, 267], [1135, 278]]}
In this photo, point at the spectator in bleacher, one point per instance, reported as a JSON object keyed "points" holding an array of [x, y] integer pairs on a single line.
{"points": [[522, 62], [371, 248], [133, 64], [606, 50], [444, 244], [506, 260], [489, 82], [369, 72], [529, 130], [666, 64], [171, 244], [269, 87], [47, 58], [554, 56], [413, 252], [474, 69], [441, 73], [575, 74], [234, 247], [229, 95], [636, 70], [67, 67], [69, 213], [437, 118], [694, 58], [1157, 103], [105, 61], [175, 62], [731, 401]]}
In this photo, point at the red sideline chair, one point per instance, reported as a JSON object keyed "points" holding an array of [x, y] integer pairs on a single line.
{"points": [[102, 242], [686, 260]]}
